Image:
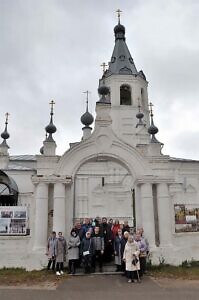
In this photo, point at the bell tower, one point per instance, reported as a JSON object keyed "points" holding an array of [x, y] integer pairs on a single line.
{"points": [[128, 92]]}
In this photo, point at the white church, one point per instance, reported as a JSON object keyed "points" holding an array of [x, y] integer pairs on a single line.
{"points": [[116, 170]]}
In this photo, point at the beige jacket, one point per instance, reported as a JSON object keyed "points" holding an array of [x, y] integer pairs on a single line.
{"points": [[130, 250]]}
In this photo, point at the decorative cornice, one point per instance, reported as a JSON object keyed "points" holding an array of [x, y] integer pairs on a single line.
{"points": [[52, 179], [154, 179]]}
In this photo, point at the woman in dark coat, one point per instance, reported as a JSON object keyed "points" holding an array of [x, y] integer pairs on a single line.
{"points": [[117, 250], [87, 251]]}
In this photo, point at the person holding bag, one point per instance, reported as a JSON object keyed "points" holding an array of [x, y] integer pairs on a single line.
{"points": [[87, 251], [131, 258]]}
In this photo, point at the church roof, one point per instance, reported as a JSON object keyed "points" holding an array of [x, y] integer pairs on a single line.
{"points": [[23, 157], [121, 60], [19, 168], [183, 159]]}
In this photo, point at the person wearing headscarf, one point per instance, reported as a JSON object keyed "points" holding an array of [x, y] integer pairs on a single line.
{"points": [[131, 258]]}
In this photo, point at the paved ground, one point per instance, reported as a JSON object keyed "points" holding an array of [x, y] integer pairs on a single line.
{"points": [[111, 287]]}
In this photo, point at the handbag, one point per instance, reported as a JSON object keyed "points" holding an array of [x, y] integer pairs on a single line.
{"points": [[135, 261], [88, 251]]}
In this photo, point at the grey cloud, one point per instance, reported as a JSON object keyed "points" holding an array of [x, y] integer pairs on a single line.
{"points": [[53, 50]]}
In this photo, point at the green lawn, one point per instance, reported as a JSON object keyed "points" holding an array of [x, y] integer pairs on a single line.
{"points": [[181, 272], [20, 276]]}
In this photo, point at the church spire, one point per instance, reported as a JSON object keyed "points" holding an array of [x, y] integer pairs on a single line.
{"points": [[87, 119], [103, 90], [121, 60], [139, 116], [50, 128], [5, 135], [152, 128], [49, 145]]}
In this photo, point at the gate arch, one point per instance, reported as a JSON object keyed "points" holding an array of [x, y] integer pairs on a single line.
{"points": [[8, 190]]}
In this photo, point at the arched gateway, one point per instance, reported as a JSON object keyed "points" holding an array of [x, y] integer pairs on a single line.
{"points": [[103, 187]]}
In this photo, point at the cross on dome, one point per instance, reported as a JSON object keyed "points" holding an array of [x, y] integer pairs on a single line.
{"points": [[104, 65], [118, 11], [151, 109], [87, 93], [7, 114], [52, 102]]}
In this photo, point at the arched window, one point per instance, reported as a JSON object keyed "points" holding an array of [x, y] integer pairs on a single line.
{"points": [[8, 190], [142, 98], [125, 95]]}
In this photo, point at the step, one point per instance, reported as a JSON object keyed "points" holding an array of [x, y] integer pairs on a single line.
{"points": [[108, 268]]}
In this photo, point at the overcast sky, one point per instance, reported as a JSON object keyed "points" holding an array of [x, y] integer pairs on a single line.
{"points": [[52, 49]]}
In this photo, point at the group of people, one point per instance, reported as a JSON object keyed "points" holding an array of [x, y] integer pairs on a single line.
{"points": [[96, 241]]}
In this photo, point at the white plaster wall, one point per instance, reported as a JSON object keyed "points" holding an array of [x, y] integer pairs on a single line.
{"points": [[78, 162]]}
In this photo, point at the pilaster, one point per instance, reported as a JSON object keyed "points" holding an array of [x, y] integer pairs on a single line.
{"points": [[59, 213], [164, 214], [41, 215], [148, 213]]}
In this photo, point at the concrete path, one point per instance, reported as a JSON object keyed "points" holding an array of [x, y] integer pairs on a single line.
{"points": [[111, 287]]}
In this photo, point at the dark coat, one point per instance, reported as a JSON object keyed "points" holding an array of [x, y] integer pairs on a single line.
{"points": [[123, 243], [118, 245], [87, 245], [106, 232]]}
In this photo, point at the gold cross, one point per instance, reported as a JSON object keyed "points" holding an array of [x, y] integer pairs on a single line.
{"points": [[118, 11], [103, 65]]}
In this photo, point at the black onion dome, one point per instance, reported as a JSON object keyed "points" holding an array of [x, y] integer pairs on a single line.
{"points": [[153, 129], [51, 128], [103, 90], [119, 28], [5, 135], [119, 31], [139, 115], [87, 119]]}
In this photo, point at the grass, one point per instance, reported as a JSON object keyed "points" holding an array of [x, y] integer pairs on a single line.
{"points": [[180, 272], [19, 276]]}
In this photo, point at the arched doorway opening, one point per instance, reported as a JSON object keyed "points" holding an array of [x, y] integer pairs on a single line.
{"points": [[103, 187], [8, 190]]}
